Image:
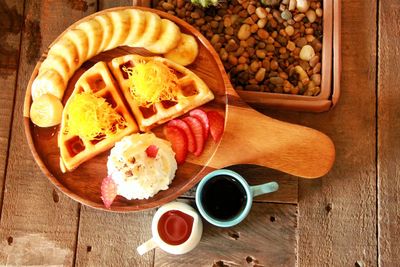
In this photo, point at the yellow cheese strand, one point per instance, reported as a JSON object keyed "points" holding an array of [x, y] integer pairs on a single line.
{"points": [[151, 82], [92, 118]]}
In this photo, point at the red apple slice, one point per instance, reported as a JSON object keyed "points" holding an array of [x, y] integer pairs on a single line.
{"points": [[189, 134], [202, 117], [216, 121], [178, 141], [198, 132]]}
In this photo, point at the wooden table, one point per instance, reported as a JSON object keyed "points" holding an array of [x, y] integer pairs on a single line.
{"points": [[350, 217]]}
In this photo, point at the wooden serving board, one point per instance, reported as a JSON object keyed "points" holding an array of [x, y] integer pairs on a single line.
{"points": [[249, 137]]}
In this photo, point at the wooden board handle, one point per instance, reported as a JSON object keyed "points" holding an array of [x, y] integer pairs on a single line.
{"points": [[253, 138]]}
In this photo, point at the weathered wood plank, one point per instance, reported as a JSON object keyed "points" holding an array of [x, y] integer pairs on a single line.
{"points": [[337, 222], [388, 134], [288, 184], [337, 214], [111, 239], [267, 237], [11, 12], [38, 225], [146, 3], [104, 4]]}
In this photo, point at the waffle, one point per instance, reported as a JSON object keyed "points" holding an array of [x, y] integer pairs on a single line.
{"points": [[192, 93], [74, 150]]}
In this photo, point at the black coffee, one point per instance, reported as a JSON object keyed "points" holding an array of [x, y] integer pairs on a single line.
{"points": [[223, 197]]}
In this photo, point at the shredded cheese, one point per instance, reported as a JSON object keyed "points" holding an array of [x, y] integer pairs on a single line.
{"points": [[151, 82], [92, 118]]}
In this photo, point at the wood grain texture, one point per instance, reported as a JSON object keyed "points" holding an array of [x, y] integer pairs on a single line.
{"points": [[146, 3], [38, 224], [104, 4], [388, 134], [267, 237], [337, 214], [110, 239], [11, 12], [271, 143]]}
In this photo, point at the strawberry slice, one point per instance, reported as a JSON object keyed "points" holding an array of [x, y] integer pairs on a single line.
{"points": [[189, 134], [202, 117], [197, 129], [152, 151], [216, 124], [179, 142], [108, 191]]}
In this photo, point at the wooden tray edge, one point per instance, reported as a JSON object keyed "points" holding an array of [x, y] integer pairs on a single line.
{"points": [[337, 51]]}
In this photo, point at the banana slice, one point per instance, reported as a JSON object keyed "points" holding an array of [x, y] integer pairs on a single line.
{"points": [[152, 30], [81, 41], [94, 31], [138, 26], [48, 82], [46, 111], [64, 48], [57, 63], [108, 31], [186, 51], [121, 21], [168, 39]]}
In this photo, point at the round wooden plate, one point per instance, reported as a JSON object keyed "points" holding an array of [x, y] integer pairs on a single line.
{"points": [[249, 136]]}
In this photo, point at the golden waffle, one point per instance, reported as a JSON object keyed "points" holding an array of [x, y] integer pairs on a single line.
{"points": [[193, 92], [74, 150]]}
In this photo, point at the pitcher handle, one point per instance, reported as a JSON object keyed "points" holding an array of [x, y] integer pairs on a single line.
{"points": [[146, 246]]}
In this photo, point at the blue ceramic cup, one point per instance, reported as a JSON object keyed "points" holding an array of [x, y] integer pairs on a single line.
{"points": [[249, 192]]}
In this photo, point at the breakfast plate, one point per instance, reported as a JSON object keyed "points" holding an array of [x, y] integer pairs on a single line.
{"points": [[249, 137]]}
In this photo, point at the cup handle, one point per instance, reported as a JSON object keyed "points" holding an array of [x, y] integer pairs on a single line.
{"points": [[146, 246], [264, 188]]}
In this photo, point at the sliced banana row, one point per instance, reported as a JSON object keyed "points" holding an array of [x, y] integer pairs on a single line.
{"points": [[130, 27]]}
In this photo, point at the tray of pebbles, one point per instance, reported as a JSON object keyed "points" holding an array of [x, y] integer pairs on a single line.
{"points": [[277, 53]]}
